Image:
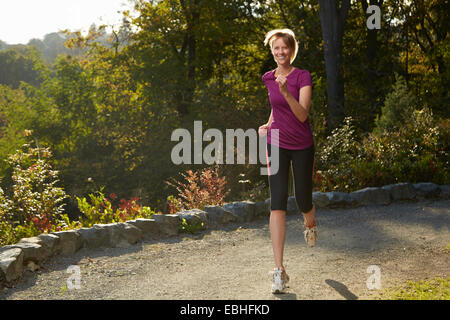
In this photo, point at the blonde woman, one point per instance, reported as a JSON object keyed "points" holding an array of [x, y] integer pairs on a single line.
{"points": [[289, 90]]}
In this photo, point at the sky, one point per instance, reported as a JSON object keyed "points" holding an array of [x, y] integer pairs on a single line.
{"points": [[23, 20]]}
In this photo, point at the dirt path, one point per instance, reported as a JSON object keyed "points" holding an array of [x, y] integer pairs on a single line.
{"points": [[405, 240]]}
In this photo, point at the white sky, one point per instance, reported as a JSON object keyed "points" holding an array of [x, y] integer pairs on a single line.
{"points": [[22, 20]]}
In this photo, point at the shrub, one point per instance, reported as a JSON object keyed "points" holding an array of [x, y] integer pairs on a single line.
{"points": [[36, 203], [7, 233], [417, 151], [192, 228], [335, 158], [398, 105], [100, 209], [258, 191], [200, 189]]}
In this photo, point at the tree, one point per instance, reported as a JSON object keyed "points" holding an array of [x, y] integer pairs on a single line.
{"points": [[18, 65], [399, 104], [179, 46], [427, 23], [3, 45], [372, 71], [332, 20]]}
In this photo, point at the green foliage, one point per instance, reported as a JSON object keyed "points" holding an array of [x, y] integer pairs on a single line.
{"points": [[398, 105], [100, 210], [417, 151], [34, 192], [35, 205], [174, 204], [18, 65], [15, 110], [7, 233], [200, 189], [340, 146], [335, 158], [192, 228], [434, 289], [318, 109], [257, 191]]}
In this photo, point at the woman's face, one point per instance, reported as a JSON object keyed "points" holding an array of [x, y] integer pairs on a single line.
{"points": [[281, 52]]}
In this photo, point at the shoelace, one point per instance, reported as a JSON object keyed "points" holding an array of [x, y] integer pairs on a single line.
{"points": [[273, 273], [311, 235], [280, 272]]}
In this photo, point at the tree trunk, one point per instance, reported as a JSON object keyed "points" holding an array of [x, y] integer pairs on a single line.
{"points": [[332, 20], [371, 53], [185, 97]]}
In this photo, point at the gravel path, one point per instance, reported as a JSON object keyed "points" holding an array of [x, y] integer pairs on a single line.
{"points": [[406, 240]]}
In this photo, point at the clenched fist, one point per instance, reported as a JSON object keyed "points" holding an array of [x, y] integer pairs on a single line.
{"points": [[282, 84], [262, 131]]}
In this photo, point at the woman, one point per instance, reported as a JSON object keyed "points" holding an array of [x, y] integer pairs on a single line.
{"points": [[290, 90]]}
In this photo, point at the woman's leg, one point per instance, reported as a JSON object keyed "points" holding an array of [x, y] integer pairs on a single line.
{"points": [[309, 217], [302, 167], [278, 183], [278, 235]]}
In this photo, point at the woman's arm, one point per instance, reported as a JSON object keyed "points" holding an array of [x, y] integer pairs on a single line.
{"points": [[300, 108], [262, 131], [270, 118]]}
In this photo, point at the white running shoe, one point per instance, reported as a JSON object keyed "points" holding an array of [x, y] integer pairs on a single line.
{"points": [[311, 236], [280, 280]]}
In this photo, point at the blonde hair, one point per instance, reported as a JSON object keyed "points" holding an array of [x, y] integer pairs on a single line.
{"points": [[288, 37]]}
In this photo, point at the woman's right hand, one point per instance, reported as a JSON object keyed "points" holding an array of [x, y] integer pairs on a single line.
{"points": [[262, 131]]}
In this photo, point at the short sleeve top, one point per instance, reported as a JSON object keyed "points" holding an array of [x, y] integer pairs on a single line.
{"points": [[293, 134]]}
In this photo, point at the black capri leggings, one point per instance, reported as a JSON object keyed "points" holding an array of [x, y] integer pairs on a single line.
{"points": [[303, 172]]}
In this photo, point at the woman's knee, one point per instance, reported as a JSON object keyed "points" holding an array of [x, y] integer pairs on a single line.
{"points": [[303, 197], [278, 211], [307, 209]]}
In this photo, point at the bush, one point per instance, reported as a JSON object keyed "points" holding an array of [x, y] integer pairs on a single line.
{"points": [[36, 203], [416, 152], [192, 228], [102, 210], [397, 106], [200, 189], [334, 160], [257, 191]]}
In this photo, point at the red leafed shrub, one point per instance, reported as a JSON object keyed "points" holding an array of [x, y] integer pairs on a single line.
{"points": [[129, 208], [201, 188], [43, 224]]}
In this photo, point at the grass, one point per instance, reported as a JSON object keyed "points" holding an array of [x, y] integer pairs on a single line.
{"points": [[434, 289]]}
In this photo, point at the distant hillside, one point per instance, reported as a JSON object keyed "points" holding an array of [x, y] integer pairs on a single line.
{"points": [[20, 62], [3, 45], [53, 44]]}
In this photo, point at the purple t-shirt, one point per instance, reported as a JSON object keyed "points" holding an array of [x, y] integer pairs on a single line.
{"points": [[293, 134]]}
